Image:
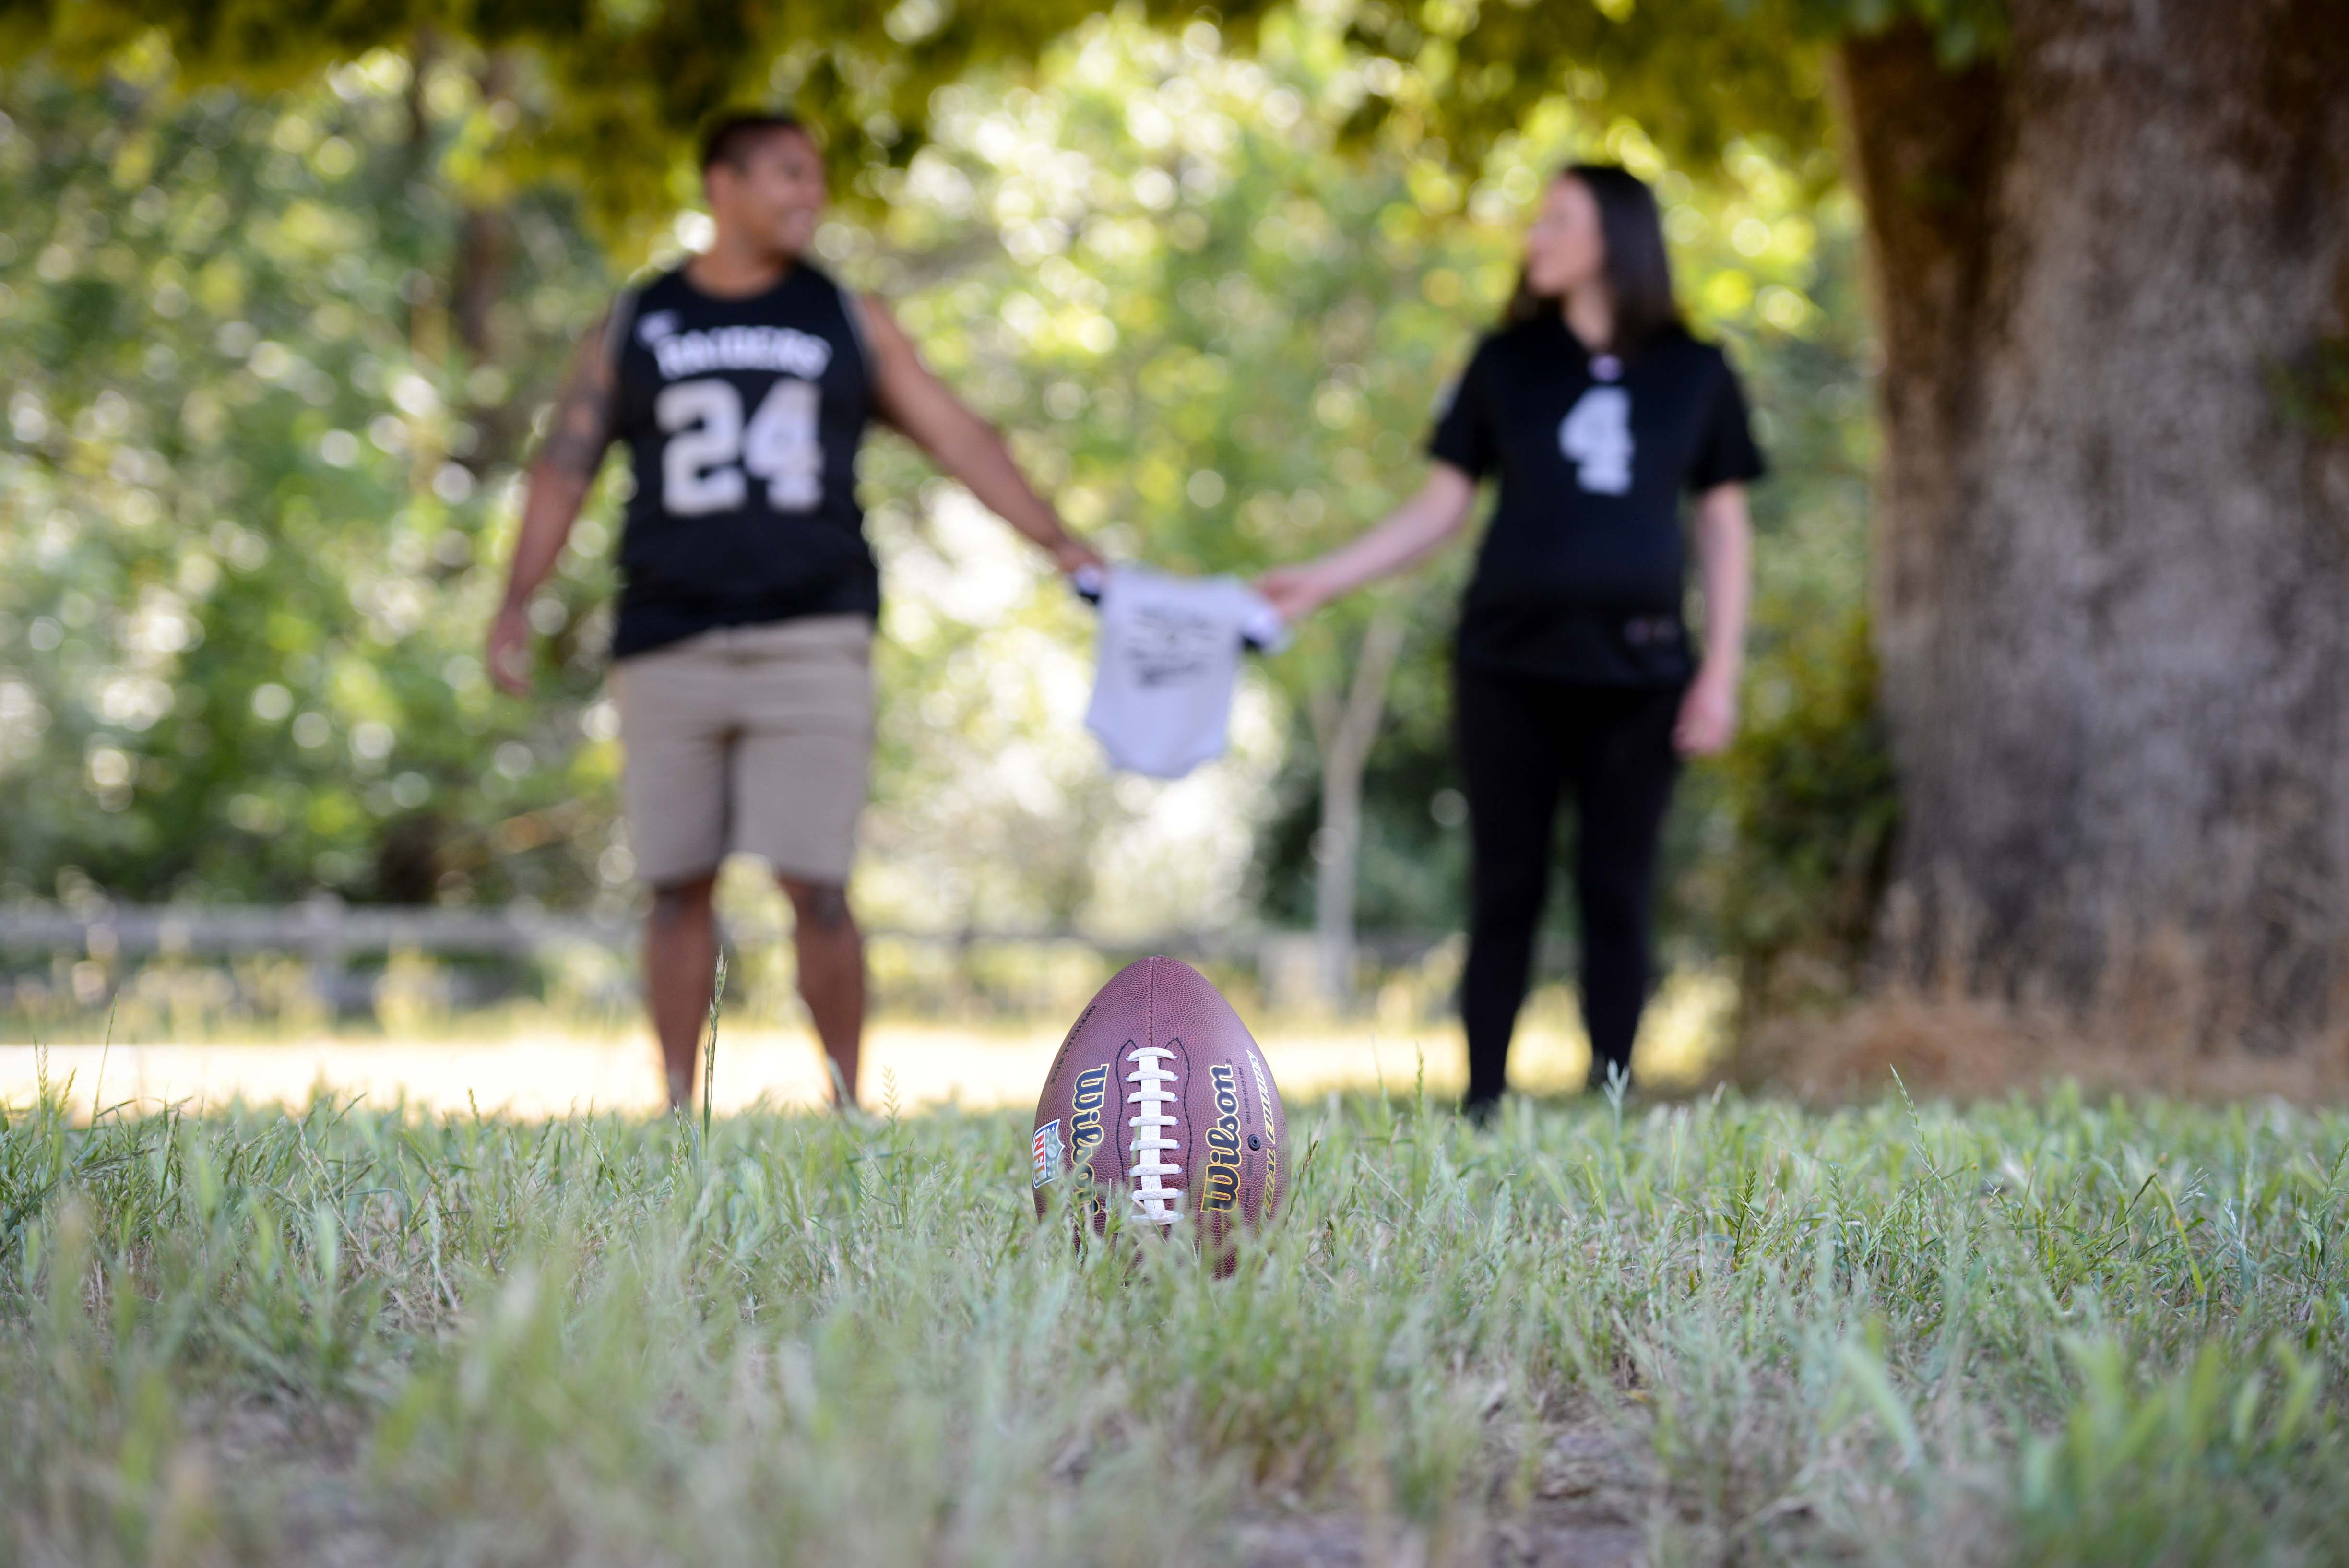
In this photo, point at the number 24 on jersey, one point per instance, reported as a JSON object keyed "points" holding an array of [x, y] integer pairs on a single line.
{"points": [[709, 447]]}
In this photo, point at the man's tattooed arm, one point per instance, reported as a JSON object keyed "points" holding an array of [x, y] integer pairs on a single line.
{"points": [[581, 426], [561, 474]]}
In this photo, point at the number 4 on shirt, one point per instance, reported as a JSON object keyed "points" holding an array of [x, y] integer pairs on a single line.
{"points": [[780, 446], [700, 471], [1597, 434]]}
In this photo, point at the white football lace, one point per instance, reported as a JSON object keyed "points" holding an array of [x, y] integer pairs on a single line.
{"points": [[1160, 1203]]}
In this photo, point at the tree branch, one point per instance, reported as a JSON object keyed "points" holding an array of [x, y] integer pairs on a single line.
{"points": [[1348, 740]]}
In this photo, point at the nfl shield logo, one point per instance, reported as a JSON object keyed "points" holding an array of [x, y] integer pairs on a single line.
{"points": [[1046, 1152]]}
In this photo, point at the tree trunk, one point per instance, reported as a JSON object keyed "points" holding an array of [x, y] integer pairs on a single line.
{"points": [[484, 261], [1343, 731], [2112, 541]]}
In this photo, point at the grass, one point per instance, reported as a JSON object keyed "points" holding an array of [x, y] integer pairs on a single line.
{"points": [[2033, 1331], [542, 1061]]}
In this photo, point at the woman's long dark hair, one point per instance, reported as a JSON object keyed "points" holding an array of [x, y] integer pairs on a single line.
{"points": [[1638, 273]]}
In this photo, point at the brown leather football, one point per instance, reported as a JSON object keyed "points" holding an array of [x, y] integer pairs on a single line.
{"points": [[1161, 1103]]}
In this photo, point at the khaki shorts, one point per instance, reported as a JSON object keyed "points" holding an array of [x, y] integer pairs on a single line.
{"points": [[755, 738]]}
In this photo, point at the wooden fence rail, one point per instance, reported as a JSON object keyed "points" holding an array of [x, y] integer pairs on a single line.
{"points": [[328, 933]]}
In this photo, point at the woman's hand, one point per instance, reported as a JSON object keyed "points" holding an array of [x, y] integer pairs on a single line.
{"points": [[1409, 532], [1295, 591], [1708, 720], [509, 650]]}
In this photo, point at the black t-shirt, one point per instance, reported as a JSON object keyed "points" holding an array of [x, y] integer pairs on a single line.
{"points": [[1581, 574], [742, 419]]}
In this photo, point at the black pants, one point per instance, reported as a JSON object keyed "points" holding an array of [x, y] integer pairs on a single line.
{"points": [[1523, 742]]}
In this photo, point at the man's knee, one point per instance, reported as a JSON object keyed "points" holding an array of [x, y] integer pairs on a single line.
{"points": [[823, 905], [673, 902]]}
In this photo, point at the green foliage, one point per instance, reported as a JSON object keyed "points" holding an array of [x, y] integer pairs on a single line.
{"points": [[1810, 789], [1698, 76], [611, 93], [1235, 334], [1747, 886], [247, 495], [237, 650], [605, 97], [2039, 1333], [1230, 381], [1215, 343]]}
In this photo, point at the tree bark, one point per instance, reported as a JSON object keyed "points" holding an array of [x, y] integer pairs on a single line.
{"points": [[2112, 591], [1343, 732]]}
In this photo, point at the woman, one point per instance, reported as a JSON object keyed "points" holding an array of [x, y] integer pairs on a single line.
{"points": [[1596, 410]]}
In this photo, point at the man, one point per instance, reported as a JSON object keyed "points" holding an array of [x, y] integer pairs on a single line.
{"points": [[741, 384]]}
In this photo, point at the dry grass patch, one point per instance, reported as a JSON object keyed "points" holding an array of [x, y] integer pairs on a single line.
{"points": [[1972, 1049]]}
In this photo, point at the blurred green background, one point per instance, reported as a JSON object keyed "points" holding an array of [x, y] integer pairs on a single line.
{"points": [[273, 361]]}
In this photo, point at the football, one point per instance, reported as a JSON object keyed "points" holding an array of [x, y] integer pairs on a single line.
{"points": [[1161, 1106]]}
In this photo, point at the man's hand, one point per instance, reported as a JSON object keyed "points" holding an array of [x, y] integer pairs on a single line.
{"points": [[1073, 555], [509, 651], [1708, 720]]}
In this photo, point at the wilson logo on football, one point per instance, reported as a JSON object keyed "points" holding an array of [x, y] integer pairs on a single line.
{"points": [[1085, 1125], [1223, 1141]]}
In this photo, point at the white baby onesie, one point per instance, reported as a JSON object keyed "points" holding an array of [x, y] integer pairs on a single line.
{"points": [[1169, 654]]}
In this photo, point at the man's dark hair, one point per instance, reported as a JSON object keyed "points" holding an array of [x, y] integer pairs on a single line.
{"points": [[1639, 272], [729, 141]]}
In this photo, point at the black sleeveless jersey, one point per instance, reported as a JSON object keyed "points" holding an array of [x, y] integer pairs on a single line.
{"points": [[742, 418]]}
